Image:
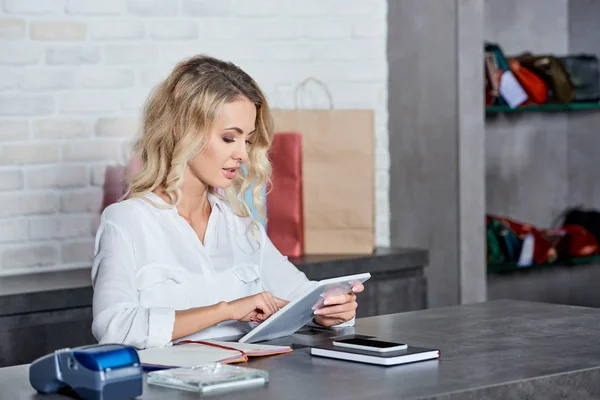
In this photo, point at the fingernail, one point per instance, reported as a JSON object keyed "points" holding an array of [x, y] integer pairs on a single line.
{"points": [[317, 312], [327, 302], [354, 289]]}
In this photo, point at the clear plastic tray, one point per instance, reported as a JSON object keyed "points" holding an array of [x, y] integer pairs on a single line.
{"points": [[209, 378]]}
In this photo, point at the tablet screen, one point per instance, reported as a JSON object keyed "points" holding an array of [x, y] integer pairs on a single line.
{"points": [[300, 311]]}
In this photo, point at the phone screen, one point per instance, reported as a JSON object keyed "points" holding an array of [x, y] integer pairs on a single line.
{"points": [[370, 343]]}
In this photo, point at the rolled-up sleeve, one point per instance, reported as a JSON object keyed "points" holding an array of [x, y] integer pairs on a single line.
{"points": [[278, 274], [118, 316], [282, 278]]}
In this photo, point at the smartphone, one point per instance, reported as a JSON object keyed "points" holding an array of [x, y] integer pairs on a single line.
{"points": [[370, 345]]}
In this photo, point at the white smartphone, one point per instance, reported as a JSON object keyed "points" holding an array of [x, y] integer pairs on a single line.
{"points": [[370, 345]]}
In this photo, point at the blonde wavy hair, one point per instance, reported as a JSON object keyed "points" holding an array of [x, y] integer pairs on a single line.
{"points": [[176, 125]]}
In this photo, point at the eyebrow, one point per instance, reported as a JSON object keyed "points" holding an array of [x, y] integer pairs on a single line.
{"points": [[238, 130]]}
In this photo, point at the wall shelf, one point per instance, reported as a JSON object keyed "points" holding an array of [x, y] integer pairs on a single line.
{"points": [[509, 267], [543, 107]]}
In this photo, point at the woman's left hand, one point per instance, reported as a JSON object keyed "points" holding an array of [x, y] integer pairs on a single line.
{"points": [[338, 309]]}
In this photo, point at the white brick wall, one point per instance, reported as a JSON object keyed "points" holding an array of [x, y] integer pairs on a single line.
{"points": [[74, 74]]}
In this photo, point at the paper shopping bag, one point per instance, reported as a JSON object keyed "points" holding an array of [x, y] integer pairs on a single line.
{"points": [[337, 178], [284, 195]]}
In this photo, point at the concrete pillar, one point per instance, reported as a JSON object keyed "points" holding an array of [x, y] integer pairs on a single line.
{"points": [[436, 127]]}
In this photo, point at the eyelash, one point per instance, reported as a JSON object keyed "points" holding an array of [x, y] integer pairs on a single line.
{"points": [[229, 140]]}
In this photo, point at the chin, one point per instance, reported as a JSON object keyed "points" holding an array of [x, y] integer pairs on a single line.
{"points": [[222, 184]]}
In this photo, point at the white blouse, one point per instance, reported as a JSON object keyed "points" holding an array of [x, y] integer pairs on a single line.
{"points": [[149, 262]]}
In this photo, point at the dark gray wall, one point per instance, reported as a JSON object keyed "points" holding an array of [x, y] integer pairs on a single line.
{"points": [[436, 142], [584, 127], [538, 164], [526, 154]]}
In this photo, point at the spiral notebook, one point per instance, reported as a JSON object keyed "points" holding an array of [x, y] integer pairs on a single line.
{"points": [[195, 353]]}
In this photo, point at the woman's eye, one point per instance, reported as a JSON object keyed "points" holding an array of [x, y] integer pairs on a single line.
{"points": [[228, 140], [248, 142]]}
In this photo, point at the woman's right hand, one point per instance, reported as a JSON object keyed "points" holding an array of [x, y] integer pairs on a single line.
{"points": [[255, 308]]}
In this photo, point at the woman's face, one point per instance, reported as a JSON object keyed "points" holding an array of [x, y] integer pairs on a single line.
{"points": [[228, 144]]}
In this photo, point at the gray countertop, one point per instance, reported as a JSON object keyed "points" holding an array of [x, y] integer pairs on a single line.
{"points": [[72, 288], [500, 349]]}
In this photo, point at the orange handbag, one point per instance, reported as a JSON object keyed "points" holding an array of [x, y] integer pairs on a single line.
{"points": [[536, 88]]}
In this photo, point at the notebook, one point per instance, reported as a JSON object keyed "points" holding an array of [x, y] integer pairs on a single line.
{"points": [[409, 355], [192, 353]]}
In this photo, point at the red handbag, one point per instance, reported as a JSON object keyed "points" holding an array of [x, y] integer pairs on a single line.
{"points": [[285, 219], [573, 241]]}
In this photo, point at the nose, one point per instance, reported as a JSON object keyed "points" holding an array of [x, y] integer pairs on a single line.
{"points": [[240, 153]]}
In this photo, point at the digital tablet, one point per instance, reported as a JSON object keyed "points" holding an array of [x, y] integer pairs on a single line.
{"points": [[300, 311]]}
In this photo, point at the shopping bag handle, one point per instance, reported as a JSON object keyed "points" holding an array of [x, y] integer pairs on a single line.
{"points": [[319, 83]]}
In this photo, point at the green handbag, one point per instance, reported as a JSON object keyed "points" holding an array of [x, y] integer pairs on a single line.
{"points": [[504, 246]]}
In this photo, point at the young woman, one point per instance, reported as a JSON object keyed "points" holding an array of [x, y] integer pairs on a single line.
{"points": [[182, 258]]}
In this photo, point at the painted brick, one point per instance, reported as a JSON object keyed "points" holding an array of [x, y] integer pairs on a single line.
{"points": [[326, 28], [97, 176], [159, 8], [95, 7], [11, 130], [57, 30], [96, 150], [85, 201], [206, 8], [30, 153], [44, 79], [16, 104], [111, 53], [60, 226], [265, 8], [138, 54], [11, 179], [219, 28], [345, 49], [117, 127], [57, 177], [133, 102], [9, 79], [72, 55], [88, 103], [20, 54], [17, 204], [29, 255], [365, 28], [12, 28], [105, 78], [117, 30], [60, 128], [81, 252], [45, 7], [382, 159], [174, 30], [13, 230]]}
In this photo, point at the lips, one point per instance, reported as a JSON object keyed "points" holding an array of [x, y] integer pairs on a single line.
{"points": [[230, 173]]}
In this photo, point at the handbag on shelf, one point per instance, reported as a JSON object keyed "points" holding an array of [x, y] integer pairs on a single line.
{"points": [[504, 246], [534, 86], [585, 76], [492, 79], [551, 70], [572, 241], [510, 90], [518, 243]]}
